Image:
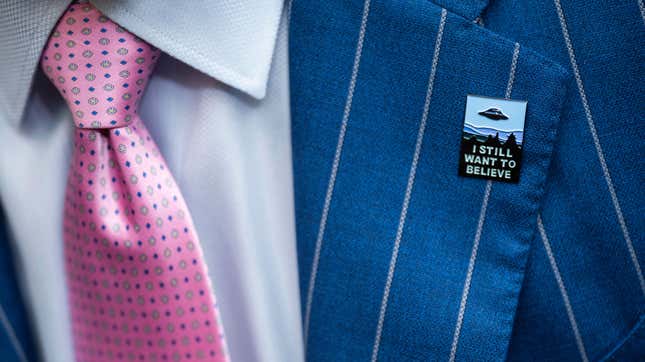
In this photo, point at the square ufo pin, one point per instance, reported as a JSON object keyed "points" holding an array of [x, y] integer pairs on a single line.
{"points": [[492, 138]]}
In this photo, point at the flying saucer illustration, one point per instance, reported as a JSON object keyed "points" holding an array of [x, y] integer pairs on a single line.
{"points": [[493, 113]]}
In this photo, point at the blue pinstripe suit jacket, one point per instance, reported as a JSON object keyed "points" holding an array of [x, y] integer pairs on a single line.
{"points": [[16, 343], [403, 260]]}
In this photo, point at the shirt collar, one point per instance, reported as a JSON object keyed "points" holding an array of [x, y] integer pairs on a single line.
{"points": [[230, 40], [24, 29]]}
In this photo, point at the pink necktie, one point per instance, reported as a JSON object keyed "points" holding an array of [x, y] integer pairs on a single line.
{"points": [[138, 284]]}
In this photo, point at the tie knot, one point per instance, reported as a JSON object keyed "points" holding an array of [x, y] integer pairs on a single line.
{"points": [[99, 68]]}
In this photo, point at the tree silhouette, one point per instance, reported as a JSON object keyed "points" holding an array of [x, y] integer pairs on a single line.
{"points": [[511, 141], [493, 141]]}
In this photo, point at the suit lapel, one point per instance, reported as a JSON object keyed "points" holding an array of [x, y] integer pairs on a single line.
{"points": [[398, 255]]}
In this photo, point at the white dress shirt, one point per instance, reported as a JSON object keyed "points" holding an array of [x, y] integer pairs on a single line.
{"points": [[218, 108]]}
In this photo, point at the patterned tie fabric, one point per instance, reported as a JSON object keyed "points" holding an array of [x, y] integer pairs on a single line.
{"points": [[138, 285]]}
